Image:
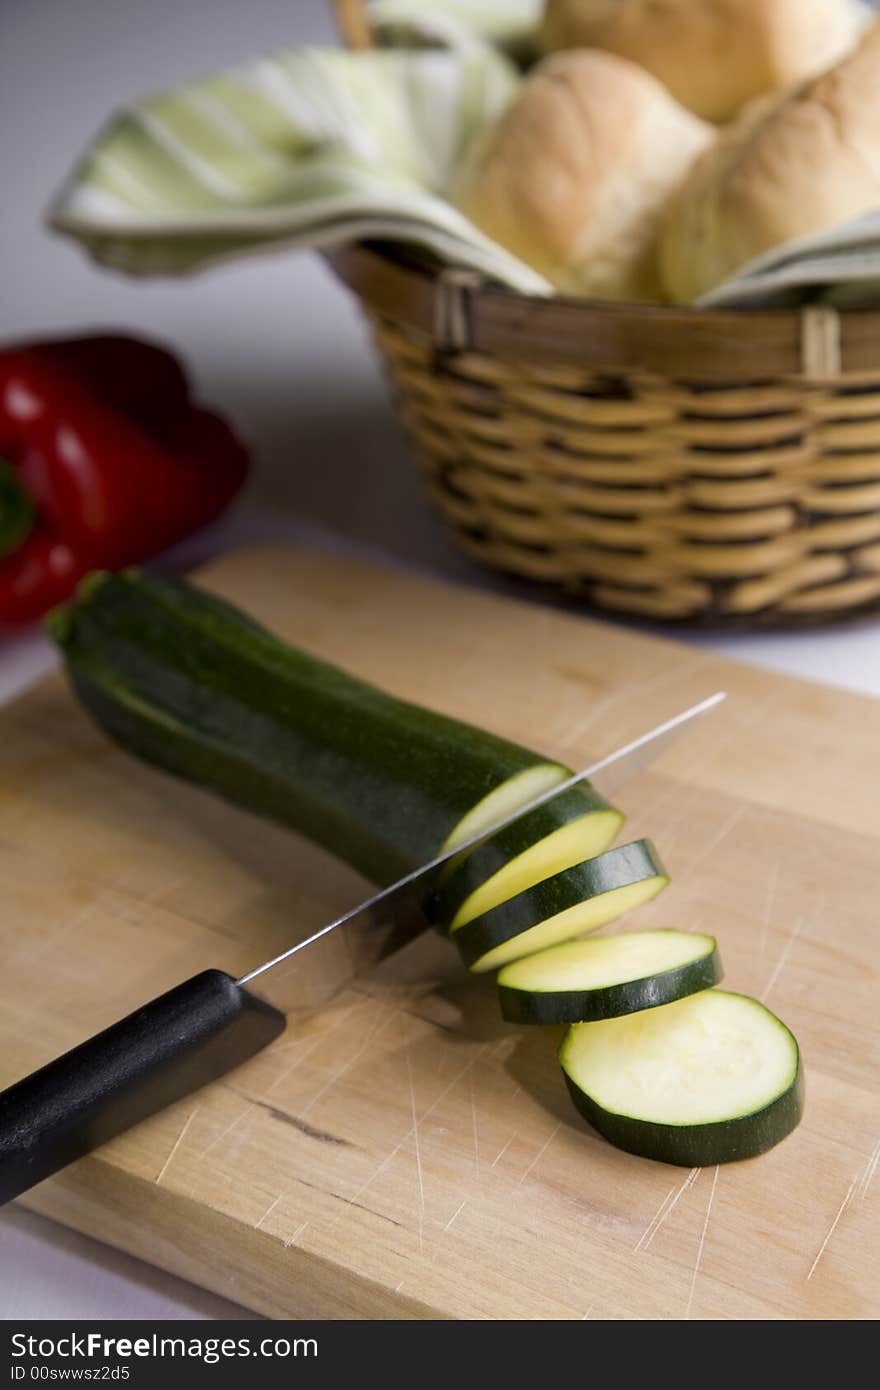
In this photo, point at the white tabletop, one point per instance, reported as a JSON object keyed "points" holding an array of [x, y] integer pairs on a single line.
{"points": [[282, 347]]}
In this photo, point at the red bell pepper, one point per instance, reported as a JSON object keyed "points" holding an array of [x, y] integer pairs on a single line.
{"points": [[106, 461]]}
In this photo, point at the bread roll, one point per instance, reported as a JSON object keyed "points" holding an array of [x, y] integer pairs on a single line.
{"points": [[573, 178], [787, 168], [713, 55]]}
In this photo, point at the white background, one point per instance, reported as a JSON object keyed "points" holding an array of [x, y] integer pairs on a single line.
{"points": [[281, 346]]}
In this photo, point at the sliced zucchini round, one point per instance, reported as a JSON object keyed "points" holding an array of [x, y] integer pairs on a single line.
{"points": [[709, 1079], [577, 900], [503, 801], [581, 981], [572, 827]]}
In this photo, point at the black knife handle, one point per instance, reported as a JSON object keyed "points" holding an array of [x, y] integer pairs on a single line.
{"points": [[161, 1052]]}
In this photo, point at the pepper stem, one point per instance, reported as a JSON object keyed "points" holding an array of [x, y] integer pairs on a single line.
{"points": [[17, 513]]}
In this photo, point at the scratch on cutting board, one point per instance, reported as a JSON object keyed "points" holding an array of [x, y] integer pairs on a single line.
{"points": [[656, 683], [680, 817], [254, 1105], [541, 1152], [474, 1126], [458, 1211], [721, 834], [576, 732], [66, 929], [666, 1208], [655, 1220], [665, 796], [300, 1058], [832, 1228], [317, 1042], [870, 1170], [119, 911], [707, 758], [268, 1212], [783, 959], [588, 1313], [415, 1130], [292, 1239], [383, 1016], [501, 1152], [389, 1157], [161, 889], [769, 904], [251, 1105], [177, 1143], [311, 1044], [733, 819], [699, 1259], [233, 1124]]}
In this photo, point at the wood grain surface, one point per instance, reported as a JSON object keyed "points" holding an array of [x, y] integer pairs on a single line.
{"points": [[401, 1152]]}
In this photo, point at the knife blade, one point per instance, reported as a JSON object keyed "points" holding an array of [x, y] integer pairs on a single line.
{"points": [[208, 1025], [402, 899]]}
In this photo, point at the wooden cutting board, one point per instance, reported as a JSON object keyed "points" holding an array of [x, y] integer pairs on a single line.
{"points": [[400, 1152]]}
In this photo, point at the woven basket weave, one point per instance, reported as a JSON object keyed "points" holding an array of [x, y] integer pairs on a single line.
{"points": [[683, 464]]}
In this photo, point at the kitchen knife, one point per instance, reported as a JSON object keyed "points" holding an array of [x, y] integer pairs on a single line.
{"points": [[210, 1024]]}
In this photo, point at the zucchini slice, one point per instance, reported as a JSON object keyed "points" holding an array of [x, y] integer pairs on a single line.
{"points": [[581, 981], [516, 791], [579, 899], [189, 683], [575, 826], [709, 1079]]}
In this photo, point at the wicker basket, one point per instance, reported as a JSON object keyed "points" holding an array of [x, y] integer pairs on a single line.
{"points": [[689, 465]]}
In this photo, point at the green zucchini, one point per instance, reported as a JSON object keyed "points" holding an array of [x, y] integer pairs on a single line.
{"points": [[574, 826], [607, 976], [709, 1079], [189, 683], [579, 899]]}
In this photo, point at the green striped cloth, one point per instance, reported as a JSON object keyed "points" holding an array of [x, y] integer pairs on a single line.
{"points": [[507, 24], [302, 147]]}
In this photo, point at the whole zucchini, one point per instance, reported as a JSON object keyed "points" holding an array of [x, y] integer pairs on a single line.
{"points": [[188, 682]]}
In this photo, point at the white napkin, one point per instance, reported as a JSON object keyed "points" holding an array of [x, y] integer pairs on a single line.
{"points": [[839, 267]]}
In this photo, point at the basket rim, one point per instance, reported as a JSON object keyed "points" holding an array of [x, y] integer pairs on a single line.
{"points": [[461, 311]]}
